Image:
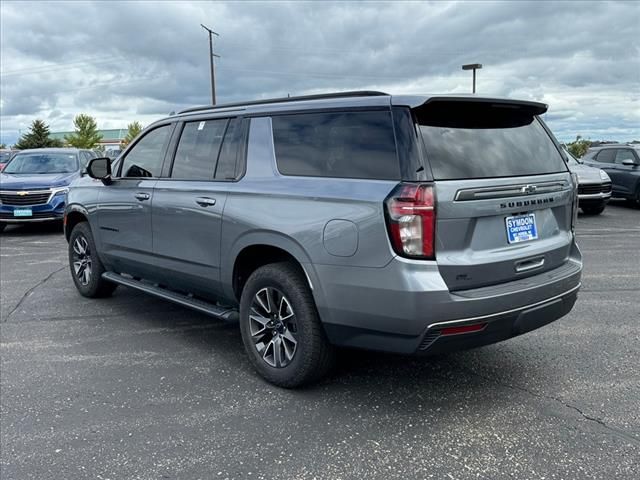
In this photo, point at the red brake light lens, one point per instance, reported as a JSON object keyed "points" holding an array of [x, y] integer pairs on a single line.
{"points": [[411, 220], [478, 327]]}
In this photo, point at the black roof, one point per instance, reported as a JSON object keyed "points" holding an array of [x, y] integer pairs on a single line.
{"points": [[322, 96], [614, 145]]}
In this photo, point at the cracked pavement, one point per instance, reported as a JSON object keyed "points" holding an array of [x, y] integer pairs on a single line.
{"points": [[134, 387]]}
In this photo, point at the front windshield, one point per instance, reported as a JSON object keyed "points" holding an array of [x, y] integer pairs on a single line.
{"points": [[33, 163], [5, 156]]}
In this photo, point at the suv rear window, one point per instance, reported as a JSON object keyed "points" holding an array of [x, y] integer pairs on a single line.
{"points": [[476, 140], [336, 144]]}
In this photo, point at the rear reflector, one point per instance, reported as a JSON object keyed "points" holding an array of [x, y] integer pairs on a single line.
{"points": [[478, 327]]}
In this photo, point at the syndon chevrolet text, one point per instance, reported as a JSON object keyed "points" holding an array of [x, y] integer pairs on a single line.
{"points": [[408, 224]]}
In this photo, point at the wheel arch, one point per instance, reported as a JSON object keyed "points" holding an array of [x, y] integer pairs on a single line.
{"points": [[256, 249], [73, 215]]}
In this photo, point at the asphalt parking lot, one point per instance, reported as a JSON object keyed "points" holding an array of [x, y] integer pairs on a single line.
{"points": [[134, 387]]}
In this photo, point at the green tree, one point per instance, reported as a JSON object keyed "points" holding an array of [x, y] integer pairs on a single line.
{"points": [[133, 129], [3, 146], [37, 137], [578, 147], [86, 133]]}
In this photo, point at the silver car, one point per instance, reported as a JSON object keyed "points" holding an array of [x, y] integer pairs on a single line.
{"points": [[594, 186], [411, 224]]}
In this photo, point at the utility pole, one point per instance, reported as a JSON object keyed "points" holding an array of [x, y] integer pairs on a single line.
{"points": [[211, 64], [474, 67]]}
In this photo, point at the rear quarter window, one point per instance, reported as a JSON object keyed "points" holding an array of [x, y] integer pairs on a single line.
{"points": [[336, 144], [482, 141]]}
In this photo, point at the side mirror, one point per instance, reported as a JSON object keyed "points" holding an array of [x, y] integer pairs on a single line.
{"points": [[630, 163], [100, 169]]}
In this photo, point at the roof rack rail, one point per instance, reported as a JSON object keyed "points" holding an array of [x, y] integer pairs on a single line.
{"points": [[322, 96]]}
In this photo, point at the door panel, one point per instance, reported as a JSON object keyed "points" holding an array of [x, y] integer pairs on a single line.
{"points": [[187, 220], [124, 206], [188, 207], [124, 222]]}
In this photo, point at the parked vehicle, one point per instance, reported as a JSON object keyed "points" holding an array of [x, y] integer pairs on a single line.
{"points": [[622, 164], [34, 183], [112, 153], [408, 224], [5, 156], [594, 186]]}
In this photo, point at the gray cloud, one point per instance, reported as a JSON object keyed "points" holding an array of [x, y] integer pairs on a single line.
{"points": [[140, 60]]}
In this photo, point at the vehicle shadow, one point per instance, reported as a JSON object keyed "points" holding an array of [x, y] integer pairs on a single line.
{"points": [[621, 202], [32, 229], [358, 373]]}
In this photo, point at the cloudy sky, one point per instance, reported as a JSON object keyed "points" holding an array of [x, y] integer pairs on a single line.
{"points": [[141, 60]]}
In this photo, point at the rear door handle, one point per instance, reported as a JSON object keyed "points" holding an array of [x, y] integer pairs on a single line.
{"points": [[205, 201], [142, 196]]}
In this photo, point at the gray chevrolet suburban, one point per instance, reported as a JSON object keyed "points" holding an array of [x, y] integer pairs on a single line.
{"points": [[411, 224]]}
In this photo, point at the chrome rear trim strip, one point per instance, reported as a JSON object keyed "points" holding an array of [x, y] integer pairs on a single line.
{"points": [[493, 316], [519, 190]]}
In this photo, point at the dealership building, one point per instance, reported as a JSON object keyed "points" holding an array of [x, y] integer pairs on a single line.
{"points": [[110, 138]]}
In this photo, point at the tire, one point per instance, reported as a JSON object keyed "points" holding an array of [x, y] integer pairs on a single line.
{"points": [[593, 210], [2, 227], [85, 265], [268, 332]]}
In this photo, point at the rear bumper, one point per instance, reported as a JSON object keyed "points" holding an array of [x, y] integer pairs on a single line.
{"points": [[403, 307], [496, 327]]}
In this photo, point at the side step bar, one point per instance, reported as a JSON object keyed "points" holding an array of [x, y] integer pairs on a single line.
{"points": [[223, 313]]}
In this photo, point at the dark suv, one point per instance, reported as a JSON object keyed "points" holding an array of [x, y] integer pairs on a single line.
{"points": [[622, 164], [408, 224]]}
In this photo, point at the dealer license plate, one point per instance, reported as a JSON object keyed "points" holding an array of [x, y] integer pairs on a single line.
{"points": [[22, 212], [521, 228]]}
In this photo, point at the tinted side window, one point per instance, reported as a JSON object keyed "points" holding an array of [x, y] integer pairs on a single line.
{"points": [[226, 168], [342, 144], [624, 154], [198, 149], [145, 158], [606, 156]]}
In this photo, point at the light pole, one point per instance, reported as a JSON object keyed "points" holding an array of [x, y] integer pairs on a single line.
{"points": [[211, 64], [474, 67]]}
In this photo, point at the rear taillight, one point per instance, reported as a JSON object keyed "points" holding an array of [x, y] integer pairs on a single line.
{"points": [[411, 220], [574, 206]]}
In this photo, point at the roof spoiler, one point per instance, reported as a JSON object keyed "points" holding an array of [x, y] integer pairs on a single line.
{"points": [[472, 112], [523, 106]]}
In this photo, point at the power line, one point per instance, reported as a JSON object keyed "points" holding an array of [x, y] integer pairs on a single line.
{"points": [[60, 66]]}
